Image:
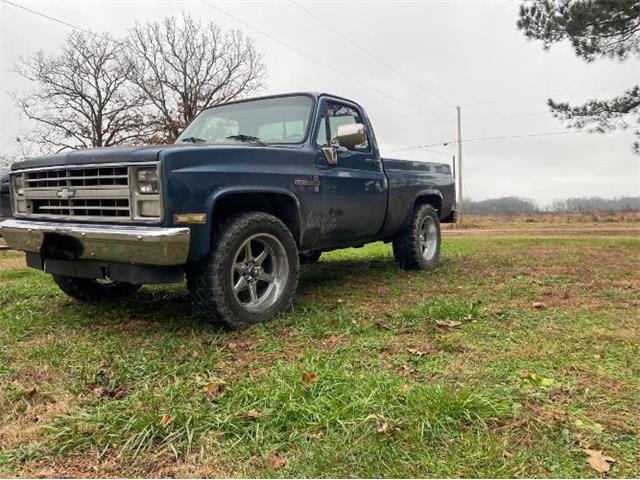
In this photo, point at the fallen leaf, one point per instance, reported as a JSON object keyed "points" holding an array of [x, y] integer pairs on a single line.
{"points": [[381, 423], [315, 436], [417, 352], [507, 454], [213, 388], [251, 414], [448, 324], [276, 462], [538, 305], [597, 461], [381, 326], [31, 393], [309, 377], [166, 420], [404, 389], [116, 393], [240, 345], [594, 426], [408, 370]]}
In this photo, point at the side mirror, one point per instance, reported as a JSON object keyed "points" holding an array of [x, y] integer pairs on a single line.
{"points": [[351, 135], [330, 155]]}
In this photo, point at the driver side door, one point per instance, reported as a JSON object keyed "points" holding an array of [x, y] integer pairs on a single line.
{"points": [[354, 191]]}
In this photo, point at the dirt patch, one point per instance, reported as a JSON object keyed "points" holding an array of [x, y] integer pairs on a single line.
{"points": [[11, 260], [537, 220], [34, 410]]}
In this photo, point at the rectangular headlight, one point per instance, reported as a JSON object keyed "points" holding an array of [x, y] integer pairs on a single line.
{"points": [[147, 180]]}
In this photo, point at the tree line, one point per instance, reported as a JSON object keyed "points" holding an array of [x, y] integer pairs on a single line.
{"points": [[517, 205], [99, 91]]}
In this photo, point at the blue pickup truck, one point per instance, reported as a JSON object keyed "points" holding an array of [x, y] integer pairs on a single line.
{"points": [[248, 192]]}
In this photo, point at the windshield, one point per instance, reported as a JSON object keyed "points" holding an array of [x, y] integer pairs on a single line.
{"points": [[272, 120]]}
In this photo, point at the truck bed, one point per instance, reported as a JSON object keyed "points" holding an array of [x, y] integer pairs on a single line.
{"points": [[409, 180]]}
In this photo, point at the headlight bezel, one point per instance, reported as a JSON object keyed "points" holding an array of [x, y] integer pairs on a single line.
{"points": [[16, 194], [146, 192], [17, 184]]}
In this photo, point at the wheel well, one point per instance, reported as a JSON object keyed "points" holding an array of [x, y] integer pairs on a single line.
{"points": [[430, 199], [277, 204]]}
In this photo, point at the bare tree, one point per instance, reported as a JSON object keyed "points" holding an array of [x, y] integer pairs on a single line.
{"points": [[182, 66], [5, 161], [80, 98]]}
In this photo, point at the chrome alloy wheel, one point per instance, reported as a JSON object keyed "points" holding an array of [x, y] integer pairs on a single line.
{"points": [[259, 272], [428, 238]]}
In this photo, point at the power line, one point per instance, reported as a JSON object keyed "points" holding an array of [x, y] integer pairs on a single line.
{"points": [[43, 15], [306, 55], [49, 17], [389, 140], [368, 52], [57, 20], [484, 139]]}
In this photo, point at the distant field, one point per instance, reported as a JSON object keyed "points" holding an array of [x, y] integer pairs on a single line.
{"points": [[592, 220], [510, 360]]}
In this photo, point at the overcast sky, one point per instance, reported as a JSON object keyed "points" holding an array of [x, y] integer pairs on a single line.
{"points": [[441, 53]]}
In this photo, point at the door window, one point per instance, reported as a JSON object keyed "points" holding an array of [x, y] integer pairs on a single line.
{"points": [[334, 115]]}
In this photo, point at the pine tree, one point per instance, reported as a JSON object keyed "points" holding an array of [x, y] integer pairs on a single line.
{"points": [[596, 29]]}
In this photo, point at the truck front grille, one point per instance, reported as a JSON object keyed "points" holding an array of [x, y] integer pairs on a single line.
{"points": [[90, 192]]}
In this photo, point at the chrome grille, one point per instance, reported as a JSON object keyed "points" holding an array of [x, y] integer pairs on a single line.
{"points": [[78, 177], [97, 207]]}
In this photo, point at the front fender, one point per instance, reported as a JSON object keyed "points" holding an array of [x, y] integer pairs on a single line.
{"points": [[201, 234]]}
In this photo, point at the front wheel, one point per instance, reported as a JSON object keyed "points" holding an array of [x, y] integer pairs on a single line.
{"points": [[89, 290], [251, 273], [418, 245]]}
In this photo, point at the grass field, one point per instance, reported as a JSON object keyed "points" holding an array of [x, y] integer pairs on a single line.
{"points": [[511, 359]]}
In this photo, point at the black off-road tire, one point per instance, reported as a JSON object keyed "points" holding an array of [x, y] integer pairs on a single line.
{"points": [[89, 290], [407, 249], [309, 258], [209, 281]]}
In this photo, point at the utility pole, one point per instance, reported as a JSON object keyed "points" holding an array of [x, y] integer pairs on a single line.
{"points": [[460, 206]]}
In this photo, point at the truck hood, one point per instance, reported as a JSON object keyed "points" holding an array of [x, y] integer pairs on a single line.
{"points": [[131, 154], [147, 153]]}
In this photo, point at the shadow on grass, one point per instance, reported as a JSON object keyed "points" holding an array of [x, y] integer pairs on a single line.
{"points": [[168, 307]]}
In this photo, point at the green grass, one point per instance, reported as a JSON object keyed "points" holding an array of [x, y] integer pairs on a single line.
{"points": [[374, 372]]}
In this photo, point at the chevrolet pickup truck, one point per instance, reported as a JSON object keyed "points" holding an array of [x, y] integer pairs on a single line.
{"points": [[249, 190]]}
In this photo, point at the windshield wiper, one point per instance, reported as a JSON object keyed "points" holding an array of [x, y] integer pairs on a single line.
{"points": [[246, 138], [194, 140]]}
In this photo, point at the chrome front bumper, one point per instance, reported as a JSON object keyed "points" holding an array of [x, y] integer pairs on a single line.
{"points": [[109, 243]]}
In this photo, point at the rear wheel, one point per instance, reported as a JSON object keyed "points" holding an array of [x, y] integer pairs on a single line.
{"points": [[90, 290], [251, 273], [418, 245]]}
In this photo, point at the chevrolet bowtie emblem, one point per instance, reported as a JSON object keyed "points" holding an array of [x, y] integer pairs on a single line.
{"points": [[65, 193]]}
